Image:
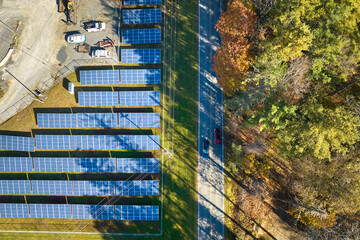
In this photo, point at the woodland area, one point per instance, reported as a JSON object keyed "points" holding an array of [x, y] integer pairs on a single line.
{"points": [[290, 71]]}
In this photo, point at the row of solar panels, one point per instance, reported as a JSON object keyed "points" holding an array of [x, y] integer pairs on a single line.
{"points": [[141, 35], [141, 55], [122, 98], [78, 188], [142, 2], [127, 76], [142, 16], [74, 211], [78, 165], [98, 120], [80, 142]]}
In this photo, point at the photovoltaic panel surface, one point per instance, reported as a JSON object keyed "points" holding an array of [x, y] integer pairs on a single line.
{"points": [[142, 2], [55, 142], [138, 165], [53, 164], [11, 210], [48, 187], [97, 120], [98, 98], [103, 212], [94, 188], [96, 142], [95, 165], [137, 188], [56, 120], [139, 98], [141, 16], [139, 36], [99, 77], [138, 142], [139, 120], [148, 55], [15, 164], [15, 143], [140, 76], [137, 212], [10, 187], [50, 211]]}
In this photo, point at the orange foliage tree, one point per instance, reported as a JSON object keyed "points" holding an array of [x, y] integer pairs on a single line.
{"points": [[235, 26]]}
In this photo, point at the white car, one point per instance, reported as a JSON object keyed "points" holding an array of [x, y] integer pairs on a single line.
{"points": [[95, 26], [76, 38], [100, 53]]}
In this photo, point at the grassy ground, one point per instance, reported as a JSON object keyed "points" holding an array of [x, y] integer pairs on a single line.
{"points": [[180, 135]]}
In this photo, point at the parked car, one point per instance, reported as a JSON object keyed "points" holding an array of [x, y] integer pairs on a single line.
{"points": [[100, 53], [206, 146], [76, 38], [95, 26], [217, 136]]}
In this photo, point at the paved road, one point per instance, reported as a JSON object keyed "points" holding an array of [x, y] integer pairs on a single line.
{"points": [[211, 175]]}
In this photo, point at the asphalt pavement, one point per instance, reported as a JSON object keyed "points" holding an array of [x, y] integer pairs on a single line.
{"points": [[211, 174]]}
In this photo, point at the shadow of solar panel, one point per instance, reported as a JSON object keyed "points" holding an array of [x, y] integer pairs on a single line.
{"points": [[98, 98], [55, 142], [15, 164], [101, 212], [14, 143], [139, 36], [50, 211], [137, 212], [142, 2], [48, 187], [138, 142], [53, 164], [138, 165], [97, 120], [140, 76], [10, 187], [56, 120], [137, 188], [149, 55], [11, 210], [139, 98], [95, 165], [97, 188], [99, 77], [142, 16], [139, 120], [96, 142]]}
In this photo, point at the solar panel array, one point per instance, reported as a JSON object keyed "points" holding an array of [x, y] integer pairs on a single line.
{"points": [[99, 77], [139, 36], [15, 164], [141, 16], [142, 2], [138, 142], [140, 76], [139, 120], [55, 142], [145, 55], [56, 120], [51, 187], [15, 143], [138, 165], [98, 98], [97, 120], [74, 211], [96, 142], [137, 188], [95, 165], [139, 98], [94, 188], [9, 187], [53, 165]]}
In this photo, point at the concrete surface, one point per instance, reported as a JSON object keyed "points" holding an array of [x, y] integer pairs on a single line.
{"points": [[211, 170]]}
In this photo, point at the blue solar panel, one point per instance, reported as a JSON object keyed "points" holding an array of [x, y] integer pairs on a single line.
{"points": [[101, 212], [139, 98], [15, 164], [99, 77], [94, 187], [147, 55], [53, 164], [137, 188], [138, 142], [139, 36], [140, 76], [10, 187], [98, 98], [138, 165], [142, 2], [139, 120], [55, 142], [15, 143], [96, 142], [97, 120], [95, 165], [11, 210], [137, 212], [56, 120], [47, 187], [141, 16], [50, 211]]}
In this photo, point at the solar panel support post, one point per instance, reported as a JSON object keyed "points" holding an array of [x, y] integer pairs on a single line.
{"points": [[25, 199], [27, 176], [66, 199]]}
